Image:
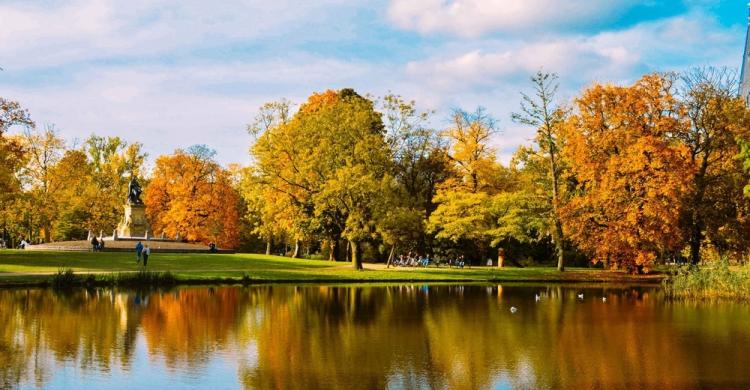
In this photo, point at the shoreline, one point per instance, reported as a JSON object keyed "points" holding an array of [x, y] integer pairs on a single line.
{"points": [[111, 280], [40, 269]]}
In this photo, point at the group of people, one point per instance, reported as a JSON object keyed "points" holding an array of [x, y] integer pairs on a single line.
{"points": [[97, 245], [417, 260], [22, 244], [142, 253]]}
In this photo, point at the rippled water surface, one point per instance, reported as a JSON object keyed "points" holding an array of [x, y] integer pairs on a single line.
{"points": [[369, 337]]}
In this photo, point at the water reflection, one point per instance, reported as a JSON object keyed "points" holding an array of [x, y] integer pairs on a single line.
{"points": [[370, 337]]}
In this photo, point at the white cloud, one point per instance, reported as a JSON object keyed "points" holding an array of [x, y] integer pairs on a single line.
{"points": [[492, 73], [106, 87], [471, 18], [616, 56], [54, 33], [169, 107]]}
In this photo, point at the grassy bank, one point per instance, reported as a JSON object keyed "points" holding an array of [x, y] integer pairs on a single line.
{"points": [[715, 281], [37, 268]]}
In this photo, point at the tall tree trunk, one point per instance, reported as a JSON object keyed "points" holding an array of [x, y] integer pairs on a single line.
{"points": [[557, 231], [269, 244], [356, 255], [559, 248], [696, 219], [295, 254], [334, 247], [695, 238], [390, 257]]}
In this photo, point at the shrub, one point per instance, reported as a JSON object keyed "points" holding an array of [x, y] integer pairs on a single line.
{"points": [[717, 281], [65, 279], [145, 278]]}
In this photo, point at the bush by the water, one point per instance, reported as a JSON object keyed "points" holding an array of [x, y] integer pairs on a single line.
{"points": [[143, 278], [67, 278], [715, 281], [64, 279]]}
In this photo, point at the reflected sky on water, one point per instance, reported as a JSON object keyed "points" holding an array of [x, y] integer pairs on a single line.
{"points": [[346, 337]]}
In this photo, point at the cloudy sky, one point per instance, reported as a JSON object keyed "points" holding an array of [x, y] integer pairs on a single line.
{"points": [[171, 74]]}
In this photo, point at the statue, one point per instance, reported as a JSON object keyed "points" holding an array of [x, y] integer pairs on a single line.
{"points": [[134, 223], [134, 192]]}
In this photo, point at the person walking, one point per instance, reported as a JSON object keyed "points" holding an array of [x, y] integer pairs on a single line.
{"points": [[138, 252], [146, 252], [94, 244]]}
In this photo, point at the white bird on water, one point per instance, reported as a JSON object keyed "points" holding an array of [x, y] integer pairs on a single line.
{"points": [[537, 297], [513, 309], [580, 296], [604, 299]]}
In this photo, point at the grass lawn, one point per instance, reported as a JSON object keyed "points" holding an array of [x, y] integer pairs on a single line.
{"points": [[28, 267]]}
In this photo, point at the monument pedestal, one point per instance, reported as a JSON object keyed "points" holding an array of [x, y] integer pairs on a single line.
{"points": [[134, 223]]}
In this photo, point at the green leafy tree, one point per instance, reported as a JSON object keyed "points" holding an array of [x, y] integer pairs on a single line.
{"points": [[541, 112]]}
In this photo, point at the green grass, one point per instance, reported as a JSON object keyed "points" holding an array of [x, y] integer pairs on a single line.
{"points": [[710, 282], [32, 267]]}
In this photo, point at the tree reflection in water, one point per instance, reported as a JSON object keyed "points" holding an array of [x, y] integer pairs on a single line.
{"points": [[375, 337]]}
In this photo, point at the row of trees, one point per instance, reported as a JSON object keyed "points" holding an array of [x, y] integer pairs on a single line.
{"points": [[624, 176], [54, 191]]}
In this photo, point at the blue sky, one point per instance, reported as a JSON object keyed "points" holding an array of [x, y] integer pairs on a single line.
{"points": [[171, 74]]}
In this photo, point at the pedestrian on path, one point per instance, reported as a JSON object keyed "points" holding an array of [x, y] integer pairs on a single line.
{"points": [[138, 252], [146, 252]]}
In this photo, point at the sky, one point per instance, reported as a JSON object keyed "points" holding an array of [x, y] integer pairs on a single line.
{"points": [[171, 74]]}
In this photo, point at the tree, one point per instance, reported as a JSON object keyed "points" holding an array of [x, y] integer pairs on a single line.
{"points": [[541, 112], [192, 196], [44, 150], [266, 211], [112, 163], [420, 164], [524, 211], [76, 192], [630, 175], [713, 208], [335, 140], [12, 159], [12, 114], [464, 199], [472, 158]]}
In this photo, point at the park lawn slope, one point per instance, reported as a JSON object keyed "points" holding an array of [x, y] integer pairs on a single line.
{"points": [[34, 267]]}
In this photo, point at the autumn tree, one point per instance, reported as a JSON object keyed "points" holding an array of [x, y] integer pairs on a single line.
{"points": [[630, 174], [541, 112], [44, 150], [276, 208], [112, 163], [523, 211], [190, 195], [12, 114], [333, 145], [12, 160], [464, 199], [267, 212], [420, 164], [714, 208], [75, 192]]}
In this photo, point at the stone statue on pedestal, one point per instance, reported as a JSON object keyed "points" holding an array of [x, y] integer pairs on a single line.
{"points": [[134, 222], [134, 192]]}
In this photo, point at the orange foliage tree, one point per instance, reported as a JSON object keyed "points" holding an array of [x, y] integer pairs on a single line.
{"points": [[628, 175], [192, 196]]}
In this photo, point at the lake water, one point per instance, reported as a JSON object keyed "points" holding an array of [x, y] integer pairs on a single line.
{"points": [[369, 337]]}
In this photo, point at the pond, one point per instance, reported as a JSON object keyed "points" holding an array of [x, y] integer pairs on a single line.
{"points": [[370, 337]]}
